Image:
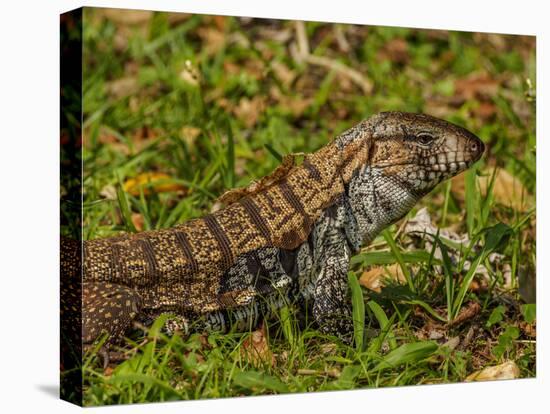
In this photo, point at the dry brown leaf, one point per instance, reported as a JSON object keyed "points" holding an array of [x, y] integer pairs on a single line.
{"points": [[507, 370], [527, 284], [175, 18], [231, 68], [255, 68], [128, 17], [128, 23], [137, 221], [438, 108], [396, 50], [475, 86], [507, 190], [255, 349], [285, 75], [373, 279], [296, 105], [220, 22], [452, 343], [249, 110], [485, 110], [466, 313], [109, 192], [122, 87], [213, 40], [189, 134], [151, 181]]}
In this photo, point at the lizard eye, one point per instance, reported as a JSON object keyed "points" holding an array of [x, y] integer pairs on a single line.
{"points": [[424, 138]]}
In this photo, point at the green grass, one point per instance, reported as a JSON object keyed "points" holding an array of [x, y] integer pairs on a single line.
{"points": [[253, 103]]}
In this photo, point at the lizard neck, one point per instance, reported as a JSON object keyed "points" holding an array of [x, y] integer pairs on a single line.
{"points": [[374, 201]]}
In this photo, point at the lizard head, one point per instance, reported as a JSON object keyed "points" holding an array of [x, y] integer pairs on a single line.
{"points": [[420, 151]]}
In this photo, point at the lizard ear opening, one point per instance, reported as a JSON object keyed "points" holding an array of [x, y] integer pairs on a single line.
{"points": [[234, 195]]}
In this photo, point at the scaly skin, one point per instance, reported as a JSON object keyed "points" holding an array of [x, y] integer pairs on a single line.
{"points": [[287, 238]]}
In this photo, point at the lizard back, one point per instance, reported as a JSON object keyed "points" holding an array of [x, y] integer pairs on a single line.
{"points": [[181, 267]]}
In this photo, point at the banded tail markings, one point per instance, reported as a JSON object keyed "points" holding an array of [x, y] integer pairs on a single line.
{"points": [[221, 238], [255, 216], [149, 257], [187, 250]]}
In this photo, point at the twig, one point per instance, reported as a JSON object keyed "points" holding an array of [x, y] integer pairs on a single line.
{"points": [[340, 37], [301, 37], [303, 54], [466, 313]]}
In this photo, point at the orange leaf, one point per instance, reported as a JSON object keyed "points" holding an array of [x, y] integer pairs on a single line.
{"points": [[373, 279], [137, 221], [255, 349], [151, 182]]}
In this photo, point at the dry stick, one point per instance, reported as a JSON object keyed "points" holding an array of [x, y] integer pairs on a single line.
{"points": [[467, 312], [301, 37], [340, 37], [305, 56]]}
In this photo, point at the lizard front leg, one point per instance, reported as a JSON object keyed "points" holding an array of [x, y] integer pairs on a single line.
{"points": [[331, 304]]}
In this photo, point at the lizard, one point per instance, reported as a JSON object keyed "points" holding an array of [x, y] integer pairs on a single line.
{"points": [[286, 238]]}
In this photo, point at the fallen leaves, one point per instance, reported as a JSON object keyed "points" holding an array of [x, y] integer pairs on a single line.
{"points": [[119, 88], [138, 221], [396, 50], [255, 349], [151, 182], [476, 86], [249, 110], [189, 134], [506, 370], [212, 38], [374, 278], [470, 311], [301, 53], [507, 190], [295, 105], [128, 23], [127, 17], [283, 73]]}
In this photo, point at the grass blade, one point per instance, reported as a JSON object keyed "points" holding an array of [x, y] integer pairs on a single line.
{"points": [[471, 199], [495, 236], [274, 152], [230, 182], [387, 258], [397, 253], [258, 381], [383, 321], [358, 311], [412, 352], [427, 308], [125, 208]]}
